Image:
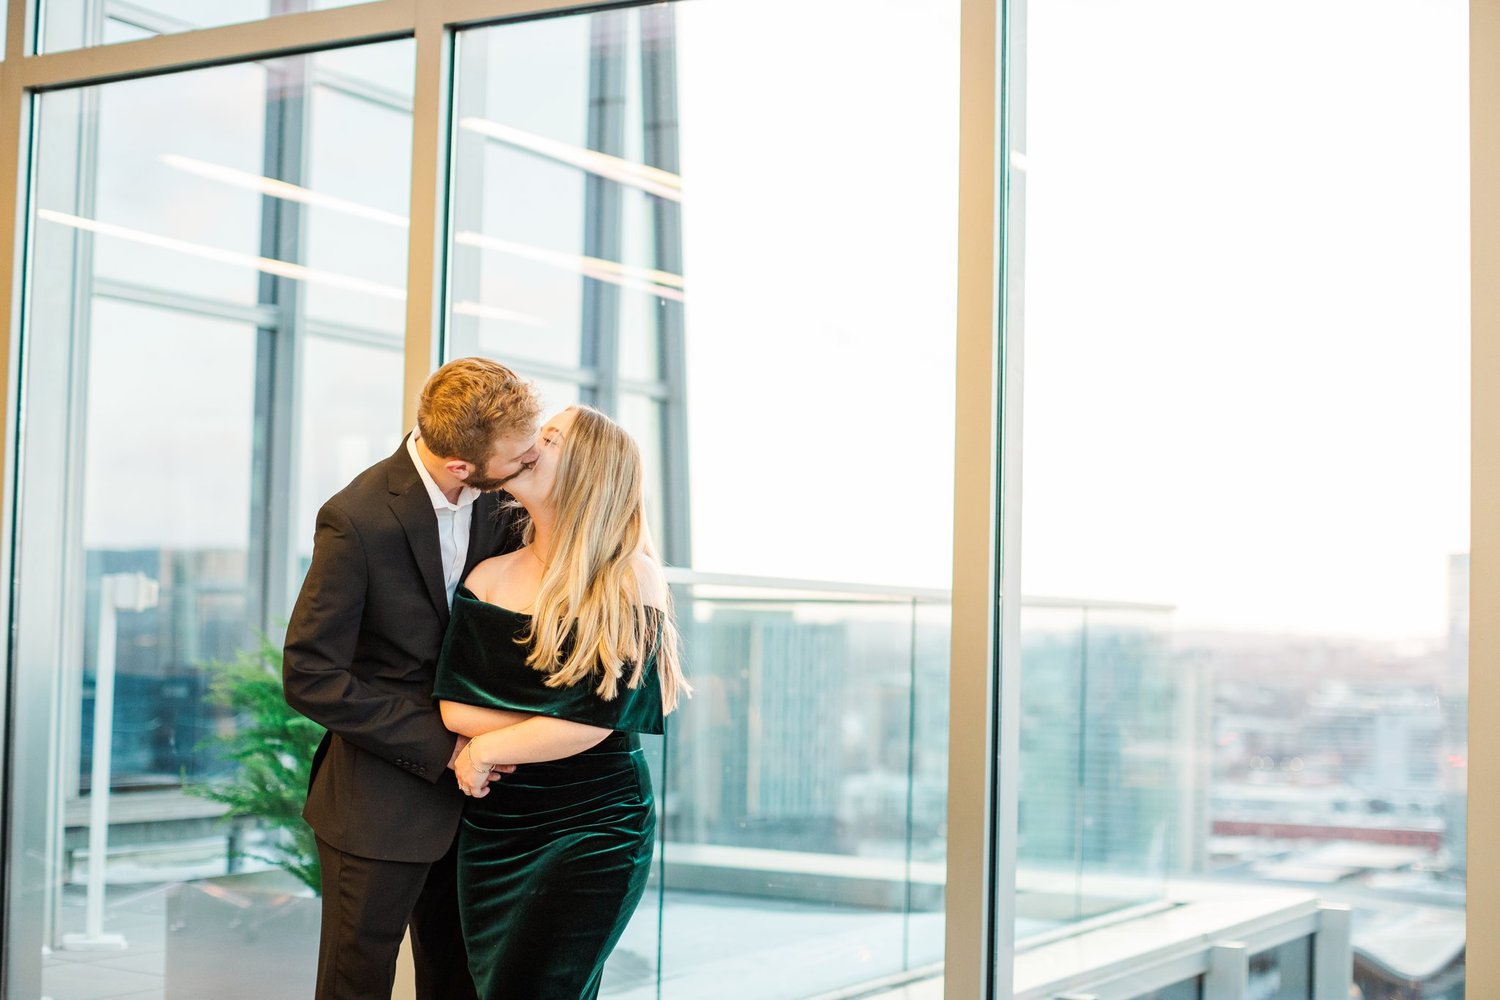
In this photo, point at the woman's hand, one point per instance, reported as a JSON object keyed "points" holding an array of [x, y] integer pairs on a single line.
{"points": [[474, 774], [537, 738]]}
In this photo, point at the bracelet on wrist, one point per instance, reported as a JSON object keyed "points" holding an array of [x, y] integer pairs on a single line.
{"points": [[478, 768]]}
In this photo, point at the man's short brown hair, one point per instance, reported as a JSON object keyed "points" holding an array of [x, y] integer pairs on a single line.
{"points": [[469, 404]]}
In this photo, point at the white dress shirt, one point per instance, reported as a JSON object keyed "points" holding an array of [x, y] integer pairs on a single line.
{"points": [[453, 520]]}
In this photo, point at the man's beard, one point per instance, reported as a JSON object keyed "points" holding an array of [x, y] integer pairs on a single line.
{"points": [[485, 484]]}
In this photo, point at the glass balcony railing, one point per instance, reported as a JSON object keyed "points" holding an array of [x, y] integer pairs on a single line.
{"points": [[1102, 765], [804, 788], [803, 795]]}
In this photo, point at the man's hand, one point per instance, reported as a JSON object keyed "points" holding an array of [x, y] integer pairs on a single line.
{"points": [[458, 748]]}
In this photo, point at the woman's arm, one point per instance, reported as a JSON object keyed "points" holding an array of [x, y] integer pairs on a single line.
{"points": [[536, 738], [471, 720]]}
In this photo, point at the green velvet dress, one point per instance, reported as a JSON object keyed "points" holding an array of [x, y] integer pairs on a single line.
{"points": [[552, 862]]}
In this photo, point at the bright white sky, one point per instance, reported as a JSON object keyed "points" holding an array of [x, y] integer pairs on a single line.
{"points": [[1246, 301], [819, 166], [1247, 312]]}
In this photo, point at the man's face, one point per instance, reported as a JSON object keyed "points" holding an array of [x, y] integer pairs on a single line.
{"points": [[512, 453]]}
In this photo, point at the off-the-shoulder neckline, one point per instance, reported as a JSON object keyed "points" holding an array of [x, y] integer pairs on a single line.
{"points": [[468, 594]]}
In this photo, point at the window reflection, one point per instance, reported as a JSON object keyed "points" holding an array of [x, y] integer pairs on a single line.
{"points": [[215, 314], [771, 322], [167, 495]]}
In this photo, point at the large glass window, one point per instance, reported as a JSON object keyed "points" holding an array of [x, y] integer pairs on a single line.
{"points": [[567, 245], [1246, 367], [210, 353], [645, 219], [1241, 325]]}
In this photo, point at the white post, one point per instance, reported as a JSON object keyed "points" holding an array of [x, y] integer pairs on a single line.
{"points": [[1333, 953], [1228, 976], [117, 592]]}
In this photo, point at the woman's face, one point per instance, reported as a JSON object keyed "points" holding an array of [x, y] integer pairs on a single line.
{"points": [[534, 485]]}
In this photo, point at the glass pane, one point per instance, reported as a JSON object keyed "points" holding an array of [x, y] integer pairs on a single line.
{"points": [[194, 541], [349, 417], [643, 328], [362, 231], [76, 24], [381, 73], [642, 417], [790, 832], [210, 356], [700, 258], [1245, 413], [522, 253], [556, 394], [1098, 715], [149, 169], [928, 828], [1283, 973]]}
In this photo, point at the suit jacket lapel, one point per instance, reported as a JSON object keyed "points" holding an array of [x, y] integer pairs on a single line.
{"points": [[481, 532], [413, 508]]}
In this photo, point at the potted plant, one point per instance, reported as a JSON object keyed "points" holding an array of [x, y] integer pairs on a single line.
{"points": [[273, 747]]}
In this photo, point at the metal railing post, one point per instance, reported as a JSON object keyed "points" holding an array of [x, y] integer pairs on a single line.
{"points": [[1228, 976], [1333, 952]]}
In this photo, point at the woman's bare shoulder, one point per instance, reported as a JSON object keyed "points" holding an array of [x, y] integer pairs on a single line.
{"points": [[490, 575], [651, 581]]}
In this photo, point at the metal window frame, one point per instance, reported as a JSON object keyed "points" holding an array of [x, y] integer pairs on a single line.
{"points": [[981, 878], [984, 741], [979, 790], [1483, 903]]}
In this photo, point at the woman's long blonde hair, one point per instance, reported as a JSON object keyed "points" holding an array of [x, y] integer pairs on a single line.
{"points": [[589, 616]]}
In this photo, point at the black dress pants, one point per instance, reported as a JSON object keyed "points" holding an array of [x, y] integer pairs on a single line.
{"points": [[367, 907]]}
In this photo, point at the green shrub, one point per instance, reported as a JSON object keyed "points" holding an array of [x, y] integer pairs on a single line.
{"points": [[272, 746]]}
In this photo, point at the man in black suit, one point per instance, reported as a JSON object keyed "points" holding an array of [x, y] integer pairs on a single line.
{"points": [[361, 649]]}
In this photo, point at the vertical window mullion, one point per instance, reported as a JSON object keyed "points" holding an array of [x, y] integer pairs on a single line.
{"points": [[278, 352], [604, 206], [427, 249], [659, 110], [979, 948]]}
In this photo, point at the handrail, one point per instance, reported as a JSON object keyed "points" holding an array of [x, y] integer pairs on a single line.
{"points": [[686, 577], [679, 575]]}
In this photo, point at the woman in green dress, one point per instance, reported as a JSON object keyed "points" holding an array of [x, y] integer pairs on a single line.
{"points": [[557, 656]]}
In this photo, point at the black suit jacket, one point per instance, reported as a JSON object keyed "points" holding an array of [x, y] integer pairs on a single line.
{"points": [[361, 651]]}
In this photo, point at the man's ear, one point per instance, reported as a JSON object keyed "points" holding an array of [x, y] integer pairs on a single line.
{"points": [[459, 469]]}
